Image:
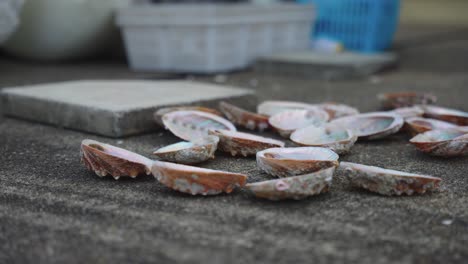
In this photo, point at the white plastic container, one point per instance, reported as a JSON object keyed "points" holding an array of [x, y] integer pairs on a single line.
{"points": [[9, 10], [207, 38], [64, 29]]}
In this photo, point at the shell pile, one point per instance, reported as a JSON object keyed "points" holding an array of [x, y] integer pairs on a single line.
{"points": [[304, 165]]}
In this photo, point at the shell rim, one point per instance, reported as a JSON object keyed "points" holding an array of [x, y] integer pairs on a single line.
{"points": [[325, 170], [261, 155], [397, 120], [379, 170], [350, 133]]}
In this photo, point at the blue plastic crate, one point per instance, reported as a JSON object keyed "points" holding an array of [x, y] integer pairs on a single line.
{"points": [[361, 25]]}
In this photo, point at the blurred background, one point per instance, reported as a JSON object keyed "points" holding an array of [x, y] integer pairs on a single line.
{"points": [[64, 31]]}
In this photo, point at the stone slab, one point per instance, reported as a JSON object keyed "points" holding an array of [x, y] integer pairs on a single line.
{"points": [[112, 108], [315, 65]]}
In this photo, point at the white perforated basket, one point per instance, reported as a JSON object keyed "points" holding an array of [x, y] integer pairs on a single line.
{"points": [[9, 11], [207, 38]]}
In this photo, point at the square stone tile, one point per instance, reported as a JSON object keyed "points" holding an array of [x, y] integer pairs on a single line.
{"points": [[112, 108]]}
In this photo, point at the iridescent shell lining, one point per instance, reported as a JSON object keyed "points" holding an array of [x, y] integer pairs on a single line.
{"points": [[371, 126], [193, 125], [286, 162], [330, 136]]}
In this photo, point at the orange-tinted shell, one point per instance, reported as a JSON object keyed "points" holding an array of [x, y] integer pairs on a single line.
{"points": [[446, 114], [244, 118], [405, 99], [416, 125], [238, 143], [388, 182], [296, 187], [286, 162], [445, 143], [194, 180], [106, 159]]}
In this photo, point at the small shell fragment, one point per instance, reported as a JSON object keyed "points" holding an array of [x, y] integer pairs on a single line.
{"points": [[244, 118], [445, 143], [417, 125], [189, 152], [405, 99], [162, 111], [105, 159], [288, 121], [270, 108], [194, 180], [297, 187], [331, 136], [388, 182], [193, 125], [336, 110], [286, 162], [371, 126], [446, 114], [238, 143], [408, 112]]}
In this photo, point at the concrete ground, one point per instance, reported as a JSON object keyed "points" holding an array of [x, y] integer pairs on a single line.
{"points": [[52, 210]]}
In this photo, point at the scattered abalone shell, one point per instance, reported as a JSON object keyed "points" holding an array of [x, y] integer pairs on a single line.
{"points": [[296, 187], [371, 126], [405, 99], [286, 162], [189, 152], [193, 125], [239, 143], [288, 121], [408, 112], [270, 108], [244, 118], [388, 182], [162, 111], [417, 125], [445, 143], [331, 136], [194, 180], [446, 114], [105, 159], [336, 110]]}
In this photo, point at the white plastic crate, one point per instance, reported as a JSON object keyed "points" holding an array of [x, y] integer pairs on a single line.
{"points": [[9, 20], [207, 38]]}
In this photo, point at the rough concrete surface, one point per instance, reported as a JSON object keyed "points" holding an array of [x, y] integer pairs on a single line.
{"points": [[52, 210], [112, 108]]}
